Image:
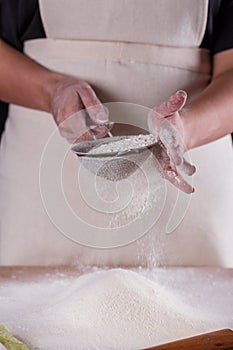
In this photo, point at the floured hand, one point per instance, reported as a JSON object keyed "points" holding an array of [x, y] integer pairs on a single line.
{"points": [[72, 99], [165, 121]]}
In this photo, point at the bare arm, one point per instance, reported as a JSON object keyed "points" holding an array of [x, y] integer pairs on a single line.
{"points": [[25, 82], [210, 115]]}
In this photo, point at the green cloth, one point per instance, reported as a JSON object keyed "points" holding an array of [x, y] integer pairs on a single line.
{"points": [[9, 341]]}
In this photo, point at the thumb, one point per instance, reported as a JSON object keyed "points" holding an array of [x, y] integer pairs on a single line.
{"points": [[96, 110], [172, 105]]}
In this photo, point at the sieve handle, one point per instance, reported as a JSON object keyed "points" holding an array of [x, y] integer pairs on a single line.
{"points": [[104, 125]]}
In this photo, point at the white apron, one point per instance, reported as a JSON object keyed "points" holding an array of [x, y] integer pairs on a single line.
{"points": [[129, 51]]}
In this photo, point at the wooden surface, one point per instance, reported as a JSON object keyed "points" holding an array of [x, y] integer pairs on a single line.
{"points": [[222, 340], [22, 273]]}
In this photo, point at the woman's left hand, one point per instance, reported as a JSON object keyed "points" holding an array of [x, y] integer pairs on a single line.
{"points": [[166, 122]]}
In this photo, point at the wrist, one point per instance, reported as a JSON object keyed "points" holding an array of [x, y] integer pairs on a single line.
{"points": [[52, 82]]}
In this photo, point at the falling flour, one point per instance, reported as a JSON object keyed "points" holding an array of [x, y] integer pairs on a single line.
{"points": [[126, 144], [114, 309], [140, 197]]}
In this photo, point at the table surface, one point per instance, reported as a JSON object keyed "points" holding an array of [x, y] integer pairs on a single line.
{"points": [[222, 339], [211, 289], [24, 273]]}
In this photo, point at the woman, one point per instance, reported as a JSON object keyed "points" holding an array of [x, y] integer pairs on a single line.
{"points": [[88, 55]]}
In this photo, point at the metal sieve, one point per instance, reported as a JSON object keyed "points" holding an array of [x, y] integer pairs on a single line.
{"points": [[113, 166]]}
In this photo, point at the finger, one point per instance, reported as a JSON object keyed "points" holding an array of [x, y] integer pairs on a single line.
{"points": [[172, 105], [176, 155], [78, 125], [168, 169], [72, 137], [75, 123], [86, 136], [170, 138], [177, 180], [96, 131], [66, 105], [187, 168], [109, 125], [74, 127], [96, 110], [102, 130], [99, 131]]}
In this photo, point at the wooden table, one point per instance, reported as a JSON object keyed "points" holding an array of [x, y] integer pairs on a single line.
{"points": [[222, 340], [24, 273]]}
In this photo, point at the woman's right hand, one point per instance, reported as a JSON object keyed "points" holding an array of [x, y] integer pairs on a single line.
{"points": [[68, 103], [26, 83]]}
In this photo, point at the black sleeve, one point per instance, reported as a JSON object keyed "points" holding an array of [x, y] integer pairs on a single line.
{"points": [[219, 30], [20, 21], [223, 30]]}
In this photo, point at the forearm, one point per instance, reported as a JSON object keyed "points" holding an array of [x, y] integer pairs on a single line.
{"points": [[23, 81], [210, 115]]}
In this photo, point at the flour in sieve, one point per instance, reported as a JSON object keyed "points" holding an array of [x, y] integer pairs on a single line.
{"points": [[130, 143]]}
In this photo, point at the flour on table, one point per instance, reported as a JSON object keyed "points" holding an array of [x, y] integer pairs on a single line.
{"points": [[115, 309]]}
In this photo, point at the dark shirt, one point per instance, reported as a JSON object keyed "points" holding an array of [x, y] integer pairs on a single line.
{"points": [[20, 21]]}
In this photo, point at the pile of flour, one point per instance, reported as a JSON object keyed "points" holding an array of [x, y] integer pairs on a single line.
{"points": [[126, 144], [104, 309]]}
